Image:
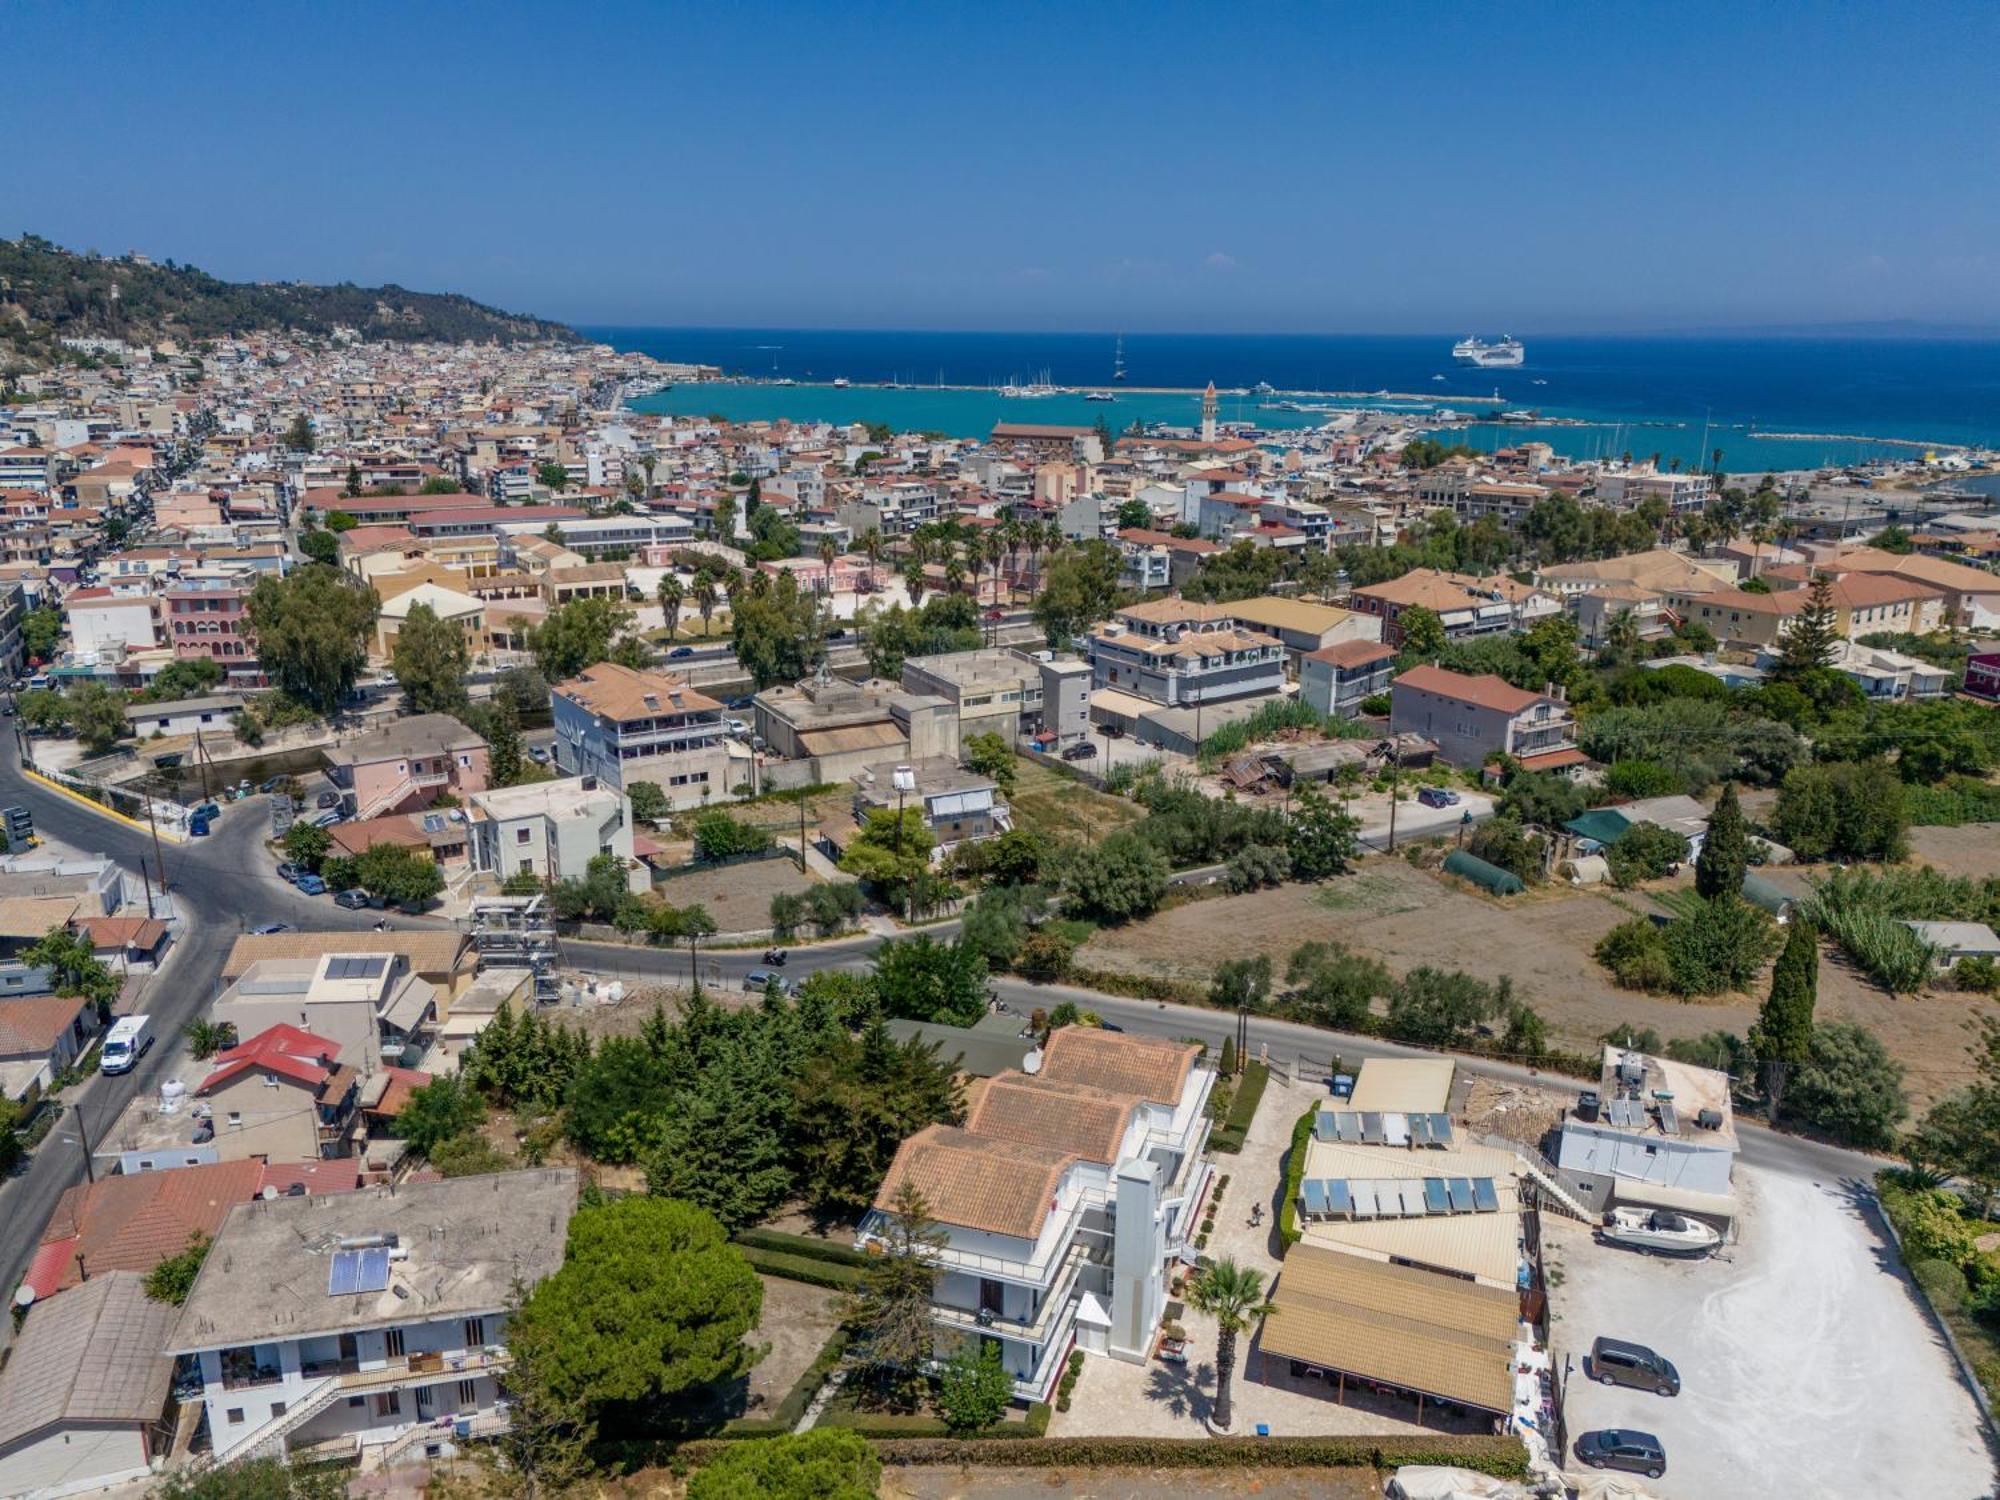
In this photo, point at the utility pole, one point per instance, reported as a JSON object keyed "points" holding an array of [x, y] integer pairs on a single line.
{"points": [[159, 863], [83, 1139], [1395, 786]]}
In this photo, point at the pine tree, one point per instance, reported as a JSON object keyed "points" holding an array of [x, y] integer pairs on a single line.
{"points": [[1725, 853], [1814, 639], [1782, 1036], [894, 1307]]}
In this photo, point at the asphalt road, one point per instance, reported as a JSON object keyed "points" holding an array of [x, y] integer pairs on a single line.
{"points": [[226, 884]]}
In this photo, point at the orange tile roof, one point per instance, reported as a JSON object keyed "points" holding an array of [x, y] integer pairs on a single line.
{"points": [[976, 1182], [1031, 1111], [1483, 691], [1151, 1068], [620, 693]]}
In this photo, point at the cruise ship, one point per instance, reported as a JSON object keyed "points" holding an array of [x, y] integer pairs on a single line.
{"points": [[1507, 352]]}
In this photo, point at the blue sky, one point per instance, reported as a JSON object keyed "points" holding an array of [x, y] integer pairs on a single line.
{"points": [[1541, 168]]}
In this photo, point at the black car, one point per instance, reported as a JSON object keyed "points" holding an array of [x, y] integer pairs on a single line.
{"points": [[1622, 1448], [680, 652], [329, 799], [1615, 1362], [1082, 750]]}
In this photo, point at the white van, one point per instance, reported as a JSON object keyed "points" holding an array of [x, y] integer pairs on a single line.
{"points": [[125, 1044]]}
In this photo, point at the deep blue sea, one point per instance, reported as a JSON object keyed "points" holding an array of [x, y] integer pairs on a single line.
{"points": [[1665, 394]]}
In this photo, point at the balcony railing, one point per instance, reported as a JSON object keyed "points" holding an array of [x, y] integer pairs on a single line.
{"points": [[1036, 1330]]}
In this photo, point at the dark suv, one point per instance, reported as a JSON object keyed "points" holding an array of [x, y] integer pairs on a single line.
{"points": [[1621, 1448], [1615, 1362]]}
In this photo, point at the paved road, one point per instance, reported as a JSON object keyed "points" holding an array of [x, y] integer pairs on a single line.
{"points": [[223, 885], [226, 884]]}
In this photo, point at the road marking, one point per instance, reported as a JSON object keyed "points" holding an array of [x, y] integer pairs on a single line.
{"points": [[169, 834]]}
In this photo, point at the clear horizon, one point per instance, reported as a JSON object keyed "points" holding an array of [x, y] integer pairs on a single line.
{"points": [[1560, 168]]}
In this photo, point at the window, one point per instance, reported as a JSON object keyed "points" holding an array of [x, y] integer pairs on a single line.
{"points": [[354, 1401], [468, 1395], [235, 1118], [522, 835], [389, 1404], [475, 1328], [527, 867], [235, 1415], [277, 1408], [392, 1343]]}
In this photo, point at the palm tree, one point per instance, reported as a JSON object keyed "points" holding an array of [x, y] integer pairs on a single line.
{"points": [[915, 581], [1031, 535], [827, 553], [954, 574], [649, 462], [1233, 1295], [705, 599], [871, 548], [1010, 537], [672, 595], [975, 558]]}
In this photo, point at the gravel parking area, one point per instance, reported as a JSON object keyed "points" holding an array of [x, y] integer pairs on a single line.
{"points": [[1807, 1365]]}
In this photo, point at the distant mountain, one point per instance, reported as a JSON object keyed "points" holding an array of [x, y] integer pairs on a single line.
{"points": [[48, 293]]}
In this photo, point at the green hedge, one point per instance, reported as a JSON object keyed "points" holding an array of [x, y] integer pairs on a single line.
{"points": [[1295, 1174], [1137, 986], [781, 1243], [888, 1426], [841, 1278], [1231, 1133], [785, 1415], [1503, 1457]]}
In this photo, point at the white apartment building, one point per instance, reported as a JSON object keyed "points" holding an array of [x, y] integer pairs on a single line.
{"points": [[1684, 493], [371, 1324], [551, 829], [1065, 1198], [105, 623]]}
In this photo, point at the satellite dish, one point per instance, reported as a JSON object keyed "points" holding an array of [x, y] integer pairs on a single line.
{"points": [[24, 1295], [269, 1193]]}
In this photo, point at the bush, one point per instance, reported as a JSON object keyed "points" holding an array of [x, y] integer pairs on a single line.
{"points": [[1931, 1222], [1955, 801], [1636, 954], [1941, 1281], [1643, 778], [718, 836], [813, 1272], [1071, 1374], [1843, 808], [1503, 1457], [780, 1243], [1849, 1087], [1230, 1135], [824, 1464], [1295, 1174], [1719, 946], [1645, 851]]}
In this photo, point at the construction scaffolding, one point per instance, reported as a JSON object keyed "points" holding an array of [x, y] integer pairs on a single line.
{"points": [[517, 932]]}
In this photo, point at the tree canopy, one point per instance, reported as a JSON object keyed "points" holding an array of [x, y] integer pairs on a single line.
{"points": [[313, 629]]}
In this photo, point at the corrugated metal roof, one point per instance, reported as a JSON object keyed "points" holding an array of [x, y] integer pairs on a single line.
{"points": [[1396, 1324]]}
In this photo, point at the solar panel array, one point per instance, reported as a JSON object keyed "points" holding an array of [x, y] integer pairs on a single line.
{"points": [[353, 1272], [365, 966], [1370, 1128], [1396, 1197], [1627, 1114]]}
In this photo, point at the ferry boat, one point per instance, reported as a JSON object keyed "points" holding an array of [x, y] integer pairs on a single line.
{"points": [[1507, 353]]}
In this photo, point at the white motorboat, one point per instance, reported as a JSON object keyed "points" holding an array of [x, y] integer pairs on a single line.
{"points": [[1660, 1231]]}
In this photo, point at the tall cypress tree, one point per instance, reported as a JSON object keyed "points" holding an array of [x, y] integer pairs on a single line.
{"points": [[1725, 852], [1814, 639], [1782, 1035]]}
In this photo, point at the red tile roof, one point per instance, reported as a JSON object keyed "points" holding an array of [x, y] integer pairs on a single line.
{"points": [[288, 1051], [1483, 691]]}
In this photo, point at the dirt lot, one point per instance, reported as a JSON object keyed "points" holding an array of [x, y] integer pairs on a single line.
{"points": [[738, 896], [1046, 802], [1807, 1365], [1543, 939], [798, 1320], [1973, 849]]}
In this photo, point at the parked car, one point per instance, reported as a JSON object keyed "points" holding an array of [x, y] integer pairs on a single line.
{"points": [[1622, 1448], [1111, 731], [538, 755], [1082, 750], [271, 785], [198, 826], [1615, 1362], [328, 799], [312, 885], [765, 979], [353, 900], [1438, 796], [209, 810], [290, 872], [680, 653], [270, 927]]}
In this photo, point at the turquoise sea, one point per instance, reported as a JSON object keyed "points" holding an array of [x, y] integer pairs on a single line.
{"points": [[1681, 397]]}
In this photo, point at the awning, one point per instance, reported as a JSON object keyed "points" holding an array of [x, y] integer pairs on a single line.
{"points": [[410, 1005], [1555, 760]]}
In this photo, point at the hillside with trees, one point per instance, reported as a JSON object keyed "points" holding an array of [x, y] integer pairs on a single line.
{"points": [[48, 293]]}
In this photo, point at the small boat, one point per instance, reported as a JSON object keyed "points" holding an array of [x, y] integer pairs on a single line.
{"points": [[1437, 377], [1660, 1231], [840, 383], [1099, 396]]}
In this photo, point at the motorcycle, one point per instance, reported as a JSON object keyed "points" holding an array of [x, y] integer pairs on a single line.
{"points": [[775, 956]]}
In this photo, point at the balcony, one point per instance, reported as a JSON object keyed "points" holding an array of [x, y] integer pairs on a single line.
{"points": [[419, 1369], [1039, 1329]]}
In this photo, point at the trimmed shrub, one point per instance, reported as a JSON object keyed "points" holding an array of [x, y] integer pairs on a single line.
{"points": [[840, 1278], [799, 1244], [1942, 1282], [1295, 1173]]}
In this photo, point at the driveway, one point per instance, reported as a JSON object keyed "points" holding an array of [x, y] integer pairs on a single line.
{"points": [[1807, 1365]]}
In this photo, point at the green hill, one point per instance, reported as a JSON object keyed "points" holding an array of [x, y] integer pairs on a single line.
{"points": [[48, 293]]}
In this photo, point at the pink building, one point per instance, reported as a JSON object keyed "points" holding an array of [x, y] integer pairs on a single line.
{"points": [[206, 614], [406, 766]]}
